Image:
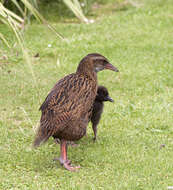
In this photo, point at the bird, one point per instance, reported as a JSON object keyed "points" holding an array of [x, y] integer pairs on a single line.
{"points": [[97, 109], [98, 105], [65, 112]]}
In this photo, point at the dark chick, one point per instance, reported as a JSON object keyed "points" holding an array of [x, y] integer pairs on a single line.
{"points": [[102, 96], [65, 111]]}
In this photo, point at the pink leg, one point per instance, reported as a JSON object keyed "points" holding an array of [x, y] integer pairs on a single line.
{"points": [[63, 157]]}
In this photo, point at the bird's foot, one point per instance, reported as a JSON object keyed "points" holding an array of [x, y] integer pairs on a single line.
{"points": [[71, 168], [62, 161], [67, 165]]}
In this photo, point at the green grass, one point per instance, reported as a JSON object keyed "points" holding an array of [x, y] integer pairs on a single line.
{"points": [[127, 155]]}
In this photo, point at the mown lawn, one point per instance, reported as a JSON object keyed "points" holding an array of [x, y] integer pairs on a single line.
{"points": [[134, 150]]}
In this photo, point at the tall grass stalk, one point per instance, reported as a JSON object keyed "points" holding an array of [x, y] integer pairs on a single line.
{"points": [[20, 39], [76, 9], [16, 23]]}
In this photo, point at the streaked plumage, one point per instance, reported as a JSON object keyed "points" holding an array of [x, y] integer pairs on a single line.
{"points": [[65, 111]]}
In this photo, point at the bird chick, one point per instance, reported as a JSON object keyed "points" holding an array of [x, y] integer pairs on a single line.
{"points": [[102, 96], [66, 109]]}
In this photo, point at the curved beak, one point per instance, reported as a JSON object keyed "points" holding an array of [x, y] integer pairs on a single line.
{"points": [[111, 67], [108, 98]]}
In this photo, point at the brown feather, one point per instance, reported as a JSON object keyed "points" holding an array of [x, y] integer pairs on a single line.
{"points": [[66, 110], [68, 101]]}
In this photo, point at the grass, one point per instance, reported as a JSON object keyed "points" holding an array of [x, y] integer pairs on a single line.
{"points": [[129, 153]]}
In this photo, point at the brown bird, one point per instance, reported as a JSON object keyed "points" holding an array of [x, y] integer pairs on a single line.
{"points": [[66, 109], [96, 111], [102, 96]]}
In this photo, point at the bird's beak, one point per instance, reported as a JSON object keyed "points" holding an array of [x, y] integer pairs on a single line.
{"points": [[108, 98], [111, 67]]}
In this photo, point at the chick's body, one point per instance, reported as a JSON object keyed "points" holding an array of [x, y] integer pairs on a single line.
{"points": [[98, 105]]}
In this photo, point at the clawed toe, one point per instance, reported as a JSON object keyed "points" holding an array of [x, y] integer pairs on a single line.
{"points": [[70, 167], [61, 162]]}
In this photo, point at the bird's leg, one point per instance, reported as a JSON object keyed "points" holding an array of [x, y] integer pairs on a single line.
{"points": [[57, 141], [63, 157], [71, 143], [95, 131], [63, 152]]}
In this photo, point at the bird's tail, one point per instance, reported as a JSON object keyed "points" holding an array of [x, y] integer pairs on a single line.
{"points": [[40, 138]]}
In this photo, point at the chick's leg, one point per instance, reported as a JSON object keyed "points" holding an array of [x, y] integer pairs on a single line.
{"points": [[94, 126], [63, 157]]}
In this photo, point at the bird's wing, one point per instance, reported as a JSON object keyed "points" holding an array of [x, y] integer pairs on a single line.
{"points": [[70, 97]]}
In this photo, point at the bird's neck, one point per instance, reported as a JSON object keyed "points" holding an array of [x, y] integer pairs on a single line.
{"points": [[86, 69], [99, 101], [91, 75]]}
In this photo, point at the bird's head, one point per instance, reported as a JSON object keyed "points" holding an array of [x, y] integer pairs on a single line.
{"points": [[103, 95], [95, 62]]}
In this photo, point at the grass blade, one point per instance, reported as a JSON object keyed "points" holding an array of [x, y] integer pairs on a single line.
{"points": [[4, 40], [76, 9]]}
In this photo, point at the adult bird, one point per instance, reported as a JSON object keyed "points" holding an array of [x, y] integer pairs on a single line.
{"points": [[66, 109], [96, 111]]}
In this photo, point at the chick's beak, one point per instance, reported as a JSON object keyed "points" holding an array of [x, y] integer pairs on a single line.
{"points": [[108, 98], [111, 67]]}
